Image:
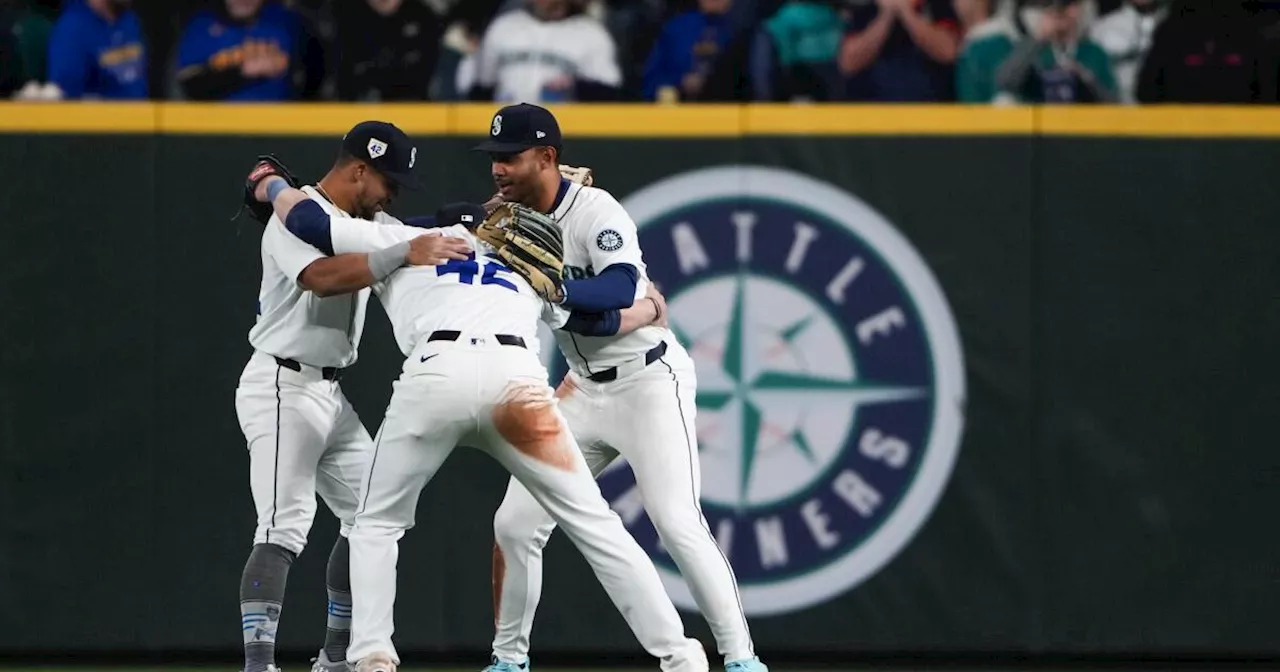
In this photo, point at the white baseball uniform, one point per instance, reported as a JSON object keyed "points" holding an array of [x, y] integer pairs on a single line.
{"points": [[641, 406], [473, 376], [303, 435]]}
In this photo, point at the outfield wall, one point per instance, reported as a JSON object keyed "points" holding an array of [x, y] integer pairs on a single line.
{"points": [[1090, 470]]}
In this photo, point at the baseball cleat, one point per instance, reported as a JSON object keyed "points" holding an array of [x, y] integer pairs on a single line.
{"points": [[378, 662], [321, 663], [748, 665], [499, 666]]}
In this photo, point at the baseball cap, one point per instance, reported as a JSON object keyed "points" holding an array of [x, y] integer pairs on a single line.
{"points": [[516, 128], [466, 214], [386, 148]]}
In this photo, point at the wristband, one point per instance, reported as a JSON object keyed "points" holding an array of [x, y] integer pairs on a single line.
{"points": [[382, 262], [275, 185]]}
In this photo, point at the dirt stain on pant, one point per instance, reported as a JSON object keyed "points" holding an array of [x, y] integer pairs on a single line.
{"points": [[526, 418]]}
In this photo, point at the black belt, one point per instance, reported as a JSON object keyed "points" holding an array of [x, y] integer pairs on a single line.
{"points": [[612, 374], [328, 373], [502, 339]]}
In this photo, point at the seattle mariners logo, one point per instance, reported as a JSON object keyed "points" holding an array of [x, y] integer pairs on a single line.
{"points": [[830, 380], [609, 240]]}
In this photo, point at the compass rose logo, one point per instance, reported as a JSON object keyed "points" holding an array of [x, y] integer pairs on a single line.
{"points": [[830, 379]]}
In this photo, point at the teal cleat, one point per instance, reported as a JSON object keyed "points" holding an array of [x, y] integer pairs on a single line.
{"points": [[499, 666], [748, 665]]}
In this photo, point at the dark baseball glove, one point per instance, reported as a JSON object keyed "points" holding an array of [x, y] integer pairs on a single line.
{"points": [[530, 243], [266, 166]]}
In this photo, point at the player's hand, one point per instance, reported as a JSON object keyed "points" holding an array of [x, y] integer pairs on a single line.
{"points": [[433, 249]]}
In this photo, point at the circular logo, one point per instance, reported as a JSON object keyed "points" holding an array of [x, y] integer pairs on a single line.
{"points": [[830, 380], [609, 240]]}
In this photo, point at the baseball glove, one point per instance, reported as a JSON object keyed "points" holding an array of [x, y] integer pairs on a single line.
{"points": [[266, 166], [529, 243], [582, 175]]}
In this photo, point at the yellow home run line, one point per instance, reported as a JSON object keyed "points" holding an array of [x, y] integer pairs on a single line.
{"points": [[648, 121]]}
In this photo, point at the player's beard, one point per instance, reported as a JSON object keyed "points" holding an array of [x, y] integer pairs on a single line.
{"points": [[522, 190], [367, 207]]}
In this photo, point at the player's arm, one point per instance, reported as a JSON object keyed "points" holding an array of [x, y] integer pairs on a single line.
{"points": [[647, 310], [332, 276], [642, 313], [312, 269], [614, 249], [308, 221]]}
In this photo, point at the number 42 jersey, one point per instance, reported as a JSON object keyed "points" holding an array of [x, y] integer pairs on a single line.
{"points": [[480, 295]]}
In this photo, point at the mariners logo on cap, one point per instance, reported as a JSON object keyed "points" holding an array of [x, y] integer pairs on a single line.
{"points": [[830, 379], [376, 148], [413, 157], [497, 125]]}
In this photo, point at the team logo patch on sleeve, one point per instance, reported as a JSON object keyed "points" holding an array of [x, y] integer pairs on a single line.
{"points": [[609, 240], [831, 382]]}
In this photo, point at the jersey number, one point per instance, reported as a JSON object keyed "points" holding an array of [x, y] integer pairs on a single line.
{"points": [[468, 269]]}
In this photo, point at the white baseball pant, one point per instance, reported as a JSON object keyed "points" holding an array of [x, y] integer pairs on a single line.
{"points": [[648, 417], [476, 392], [304, 438]]}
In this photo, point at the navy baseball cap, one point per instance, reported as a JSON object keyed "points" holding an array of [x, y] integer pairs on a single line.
{"points": [[516, 128], [469, 215], [386, 148]]}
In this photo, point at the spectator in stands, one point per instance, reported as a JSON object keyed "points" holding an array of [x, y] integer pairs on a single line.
{"points": [[96, 51], [548, 51], [387, 49], [794, 55], [1208, 51], [24, 46], [241, 50], [1125, 34], [1041, 56], [972, 14], [686, 51], [901, 51], [635, 26]]}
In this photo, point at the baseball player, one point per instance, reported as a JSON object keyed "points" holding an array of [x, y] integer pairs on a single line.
{"points": [[303, 435], [629, 394], [472, 376]]}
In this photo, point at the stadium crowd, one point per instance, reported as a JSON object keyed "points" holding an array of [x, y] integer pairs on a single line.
{"points": [[973, 51]]}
